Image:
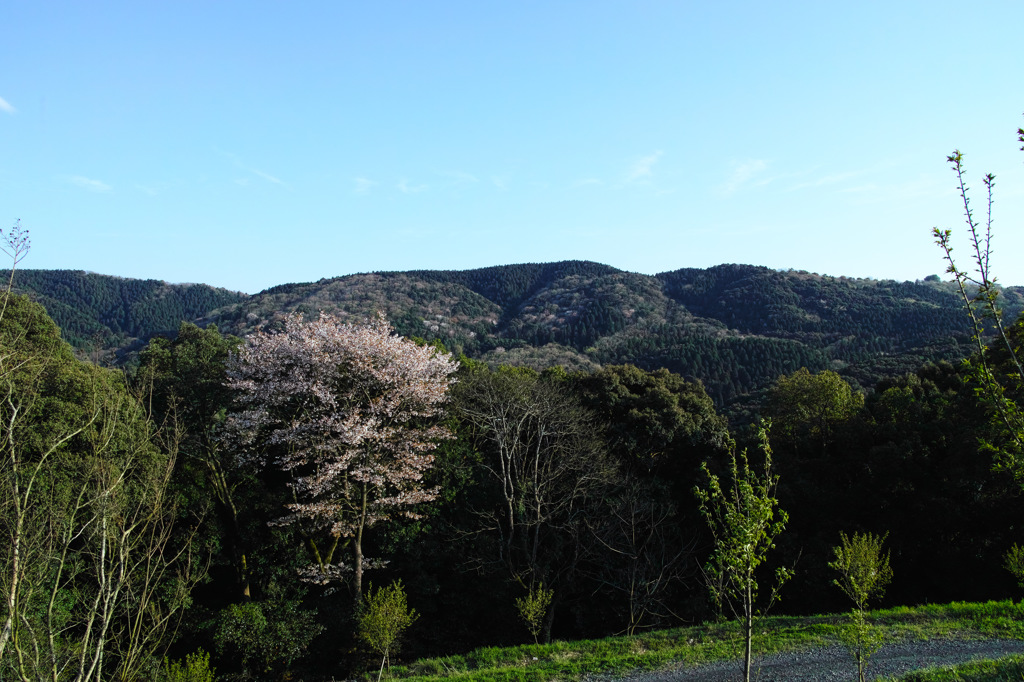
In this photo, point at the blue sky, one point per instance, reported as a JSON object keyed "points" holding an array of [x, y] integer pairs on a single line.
{"points": [[247, 144]]}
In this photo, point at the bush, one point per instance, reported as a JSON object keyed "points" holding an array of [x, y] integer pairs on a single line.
{"points": [[195, 668], [383, 616], [265, 637], [533, 607]]}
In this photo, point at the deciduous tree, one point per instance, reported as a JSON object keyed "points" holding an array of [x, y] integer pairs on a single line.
{"points": [[382, 618], [543, 455], [93, 579], [745, 520], [186, 379], [863, 575], [349, 413], [997, 368], [808, 407]]}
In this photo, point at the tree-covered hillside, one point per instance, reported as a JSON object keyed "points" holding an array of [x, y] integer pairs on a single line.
{"points": [[101, 312], [734, 327]]}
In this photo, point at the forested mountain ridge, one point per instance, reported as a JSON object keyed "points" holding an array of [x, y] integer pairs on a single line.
{"points": [[734, 327], [102, 312]]}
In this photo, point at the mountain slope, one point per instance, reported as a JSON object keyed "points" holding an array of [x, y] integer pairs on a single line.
{"points": [[102, 312], [735, 327]]}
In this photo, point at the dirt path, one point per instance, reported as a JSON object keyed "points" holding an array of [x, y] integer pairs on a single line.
{"points": [[835, 663]]}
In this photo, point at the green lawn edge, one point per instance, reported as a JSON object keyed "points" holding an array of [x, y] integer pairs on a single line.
{"points": [[694, 645], [1006, 669]]}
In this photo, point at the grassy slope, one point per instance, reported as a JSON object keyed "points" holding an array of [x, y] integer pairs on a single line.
{"points": [[705, 643], [1010, 669]]}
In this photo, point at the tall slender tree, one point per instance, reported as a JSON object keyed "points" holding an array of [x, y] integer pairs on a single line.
{"points": [[745, 520]]}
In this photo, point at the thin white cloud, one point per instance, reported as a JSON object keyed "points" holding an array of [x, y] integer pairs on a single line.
{"points": [[267, 176], [742, 174], [499, 182], [255, 171], [461, 177], [5, 106], [363, 185], [406, 188], [146, 189], [587, 181], [869, 187], [89, 184], [643, 168]]}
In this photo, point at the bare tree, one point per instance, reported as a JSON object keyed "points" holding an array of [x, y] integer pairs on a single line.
{"points": [[543, 452], [639, 552]]}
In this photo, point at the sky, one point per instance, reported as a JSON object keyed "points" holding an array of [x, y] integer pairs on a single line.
{"points": [[249, 144]]}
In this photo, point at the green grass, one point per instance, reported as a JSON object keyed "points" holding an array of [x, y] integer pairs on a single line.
{"points": [[1009, 669], [680, 647]]}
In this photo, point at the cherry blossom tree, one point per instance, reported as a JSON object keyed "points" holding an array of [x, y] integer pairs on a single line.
{"points": [[350, 414]]}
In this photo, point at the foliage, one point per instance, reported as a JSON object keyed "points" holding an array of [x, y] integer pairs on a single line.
{"points": [[102, 312], [808, 407], [1014, 563], [997, 369], [349, 413], [195, 668], [185, 378], [94, 577], [863, 568], [745, 521], [736, 328], [657, 420], [864, 573], [534, 607], [381, 619], [265, 637]]}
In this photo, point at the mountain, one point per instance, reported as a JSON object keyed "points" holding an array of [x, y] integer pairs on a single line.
{"points": [[735, 327], [99, 313]]}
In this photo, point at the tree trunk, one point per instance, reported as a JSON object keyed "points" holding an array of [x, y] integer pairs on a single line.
{"points": [[549, 621], [358, 548], [748, 627]]}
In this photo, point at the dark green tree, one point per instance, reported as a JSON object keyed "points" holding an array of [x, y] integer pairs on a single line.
{"points": [[186, 377], [94, 578], [807, 408]]}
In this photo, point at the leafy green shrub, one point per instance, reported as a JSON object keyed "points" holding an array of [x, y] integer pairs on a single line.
{"points": [[195, 668], [533, 607], [265, 637], [863, 568], [864, 573], [383, 616], [1014, 563]]}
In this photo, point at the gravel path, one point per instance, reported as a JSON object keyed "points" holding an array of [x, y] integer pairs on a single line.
{"points": [[835, 663]]}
